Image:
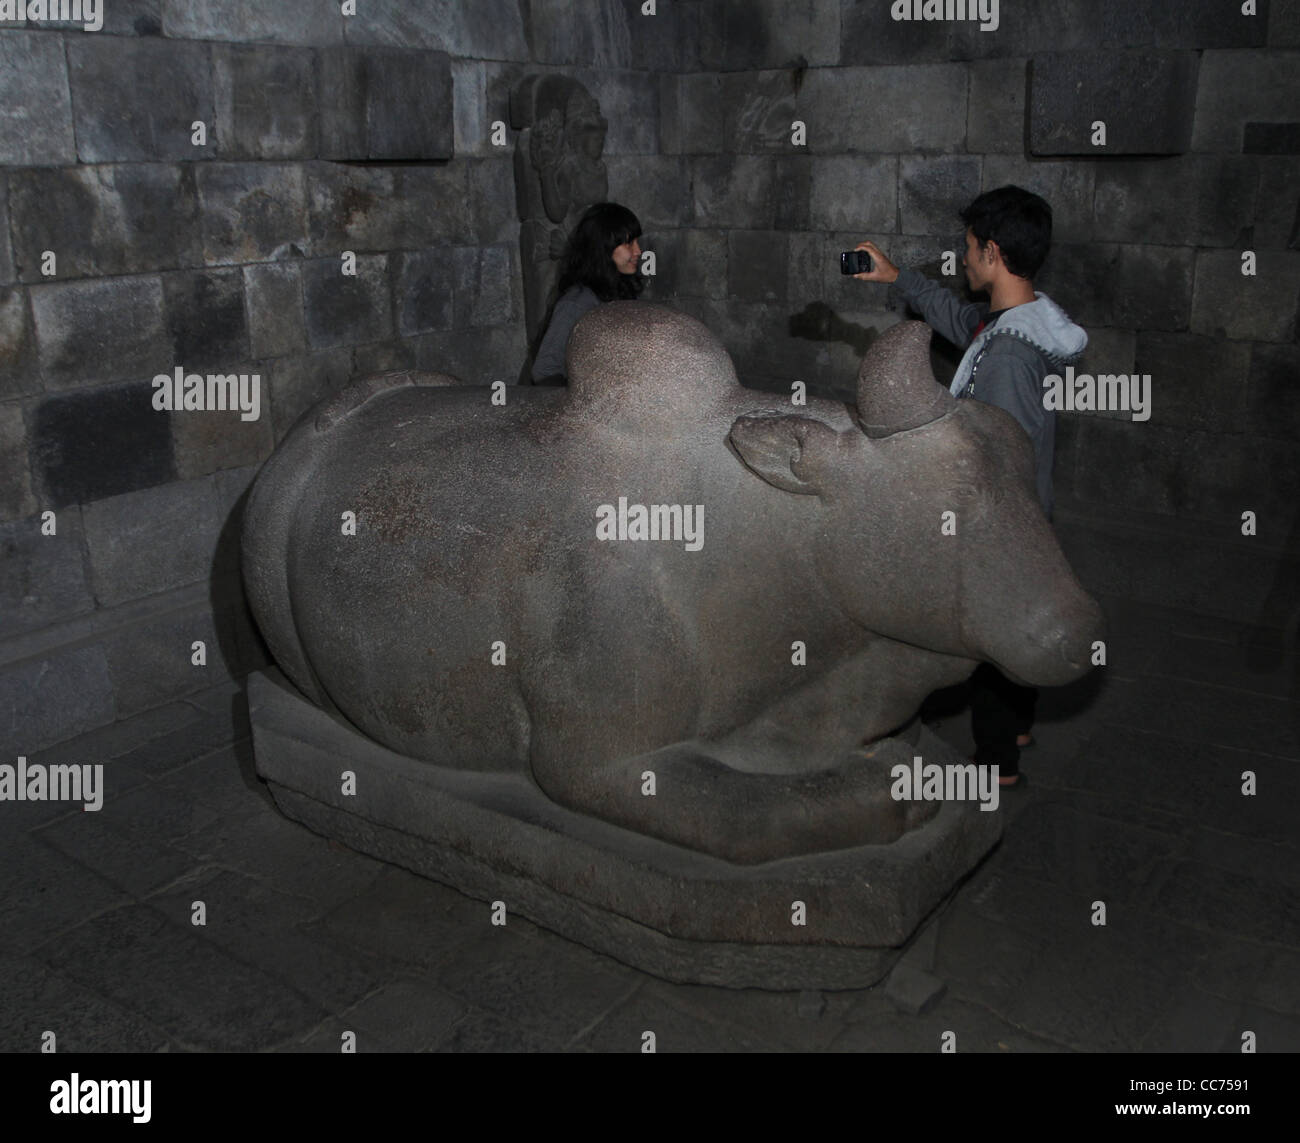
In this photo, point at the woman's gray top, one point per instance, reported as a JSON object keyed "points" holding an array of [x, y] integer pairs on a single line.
{"points": [[571, 305]]}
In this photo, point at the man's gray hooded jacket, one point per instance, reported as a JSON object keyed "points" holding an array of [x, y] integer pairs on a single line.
{"points": [[1006, 363]]}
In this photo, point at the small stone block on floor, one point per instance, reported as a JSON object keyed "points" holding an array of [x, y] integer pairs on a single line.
{"points": [[914, 991]]}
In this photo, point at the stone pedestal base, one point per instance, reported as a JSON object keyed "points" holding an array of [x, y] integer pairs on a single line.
{"points": [[669, 911]]}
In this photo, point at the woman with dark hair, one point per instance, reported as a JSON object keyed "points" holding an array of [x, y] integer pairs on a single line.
{"points": [[601, 263]]}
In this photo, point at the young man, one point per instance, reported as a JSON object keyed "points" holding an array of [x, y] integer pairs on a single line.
{"points": [[1012, 342]]}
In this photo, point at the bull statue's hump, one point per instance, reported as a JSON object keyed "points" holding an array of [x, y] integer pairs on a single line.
{"points": [[637, 358], [897, 389]]}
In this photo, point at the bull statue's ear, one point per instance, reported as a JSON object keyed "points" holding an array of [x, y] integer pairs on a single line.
{"points": [[788, 452]]}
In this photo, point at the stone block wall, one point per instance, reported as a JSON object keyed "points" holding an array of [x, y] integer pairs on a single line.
{"points": [[907, 120], [322, 133], [224, 256]]}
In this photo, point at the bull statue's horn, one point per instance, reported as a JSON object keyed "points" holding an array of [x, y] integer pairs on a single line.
{"points": [[896, 386]]}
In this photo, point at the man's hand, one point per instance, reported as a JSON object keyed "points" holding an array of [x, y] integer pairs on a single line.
{"points": [[885, 271]]}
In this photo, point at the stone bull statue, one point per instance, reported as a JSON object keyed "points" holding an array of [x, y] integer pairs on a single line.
{"points": [[680, 605]]}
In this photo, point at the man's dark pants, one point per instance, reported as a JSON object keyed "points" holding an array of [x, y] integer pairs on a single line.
{"points": [[1000, 710]]}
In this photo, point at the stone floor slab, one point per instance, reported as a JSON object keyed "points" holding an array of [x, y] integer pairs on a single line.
{"points": [[205, 998], [81, 1020], [405, 1016]]}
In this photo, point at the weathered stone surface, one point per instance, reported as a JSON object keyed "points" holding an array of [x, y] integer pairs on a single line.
{"points": [[378, 209], [176, 524], [1273, 400], [204, 442], [129, 840], [1194, 200], [243, 648], [43, 701], [275, 317], [205, 320], [1154, 287], [148, 119], [807, 271], [16, 497], [354, 207], [1108, 351], [679, 922], [86, 1022], [384, 103], [1161, 567], [1170, 471], [1284, 24], [252, 212], [703, 268], [995, 117], [744, 35], [776, 343], [1082, 25], [487, 286], [99, 330], [347, 309], [266, 102], [20, 372], [37, 128], [1066, 185], [423, 286], [103, 220], [487, 29], [924, 254], [688, 118], [476, 357], [792, 177], [1081, 279], [932, 190], [125, 18], [481, 99], [46, 579], [1145, 99], [757, 265], [472, 119], [629, 102], [94, 443], [1272, 139], [909, 108], [1134, 286], [612, 35], [1234, 89], [56, 893], [733, 191], [385, 356], [186, 982], [151, 663], [1259, 307], [492, 201], [758, 110], [435, 205], [297, 383], [656, 188], [1196, 382], [311, 22], [6, 251], [914, 990], [133, 18], [852, 193], [869, 36]]}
